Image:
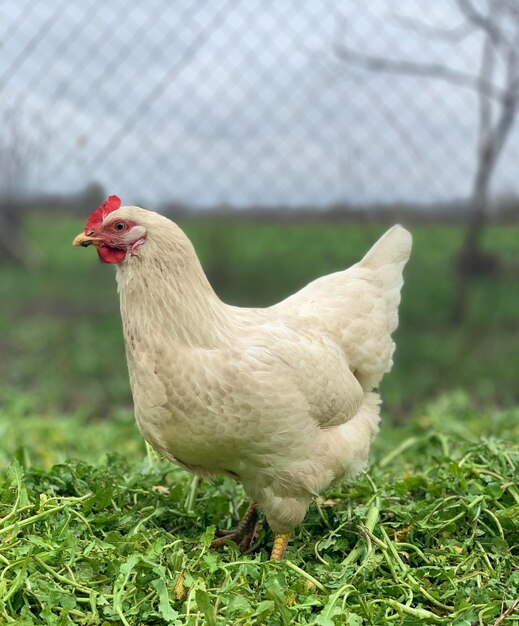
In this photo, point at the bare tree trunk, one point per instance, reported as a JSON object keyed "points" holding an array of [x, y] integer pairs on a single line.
{"points": [[470, 255], [473, 259], [12, 243]]}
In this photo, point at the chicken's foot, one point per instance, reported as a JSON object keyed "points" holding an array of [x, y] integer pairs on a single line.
{"points": [[280, 547], [243, 534]]}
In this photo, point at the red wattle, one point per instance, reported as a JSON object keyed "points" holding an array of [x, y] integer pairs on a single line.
{"points": [[107, 254]]}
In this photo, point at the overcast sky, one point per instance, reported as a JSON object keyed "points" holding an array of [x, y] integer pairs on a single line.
{"points": [[238, 102]]}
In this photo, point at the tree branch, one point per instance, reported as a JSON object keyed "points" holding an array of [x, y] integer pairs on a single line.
{"points": [[421, 70], [485, 103], [453, 35], [481, 21], [510, 103]]}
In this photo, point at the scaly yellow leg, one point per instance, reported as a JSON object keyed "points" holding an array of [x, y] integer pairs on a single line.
{"points": [[280, 547]]}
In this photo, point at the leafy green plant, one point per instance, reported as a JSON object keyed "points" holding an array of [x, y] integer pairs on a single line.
{"points": [[428, 536]]}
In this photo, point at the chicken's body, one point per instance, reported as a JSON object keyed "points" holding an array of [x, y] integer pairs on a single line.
{"points": [[281, 398]]}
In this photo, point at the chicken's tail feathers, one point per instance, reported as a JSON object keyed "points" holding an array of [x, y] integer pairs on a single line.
{"points": [[386, 260], [384, 263], [393, 248]]}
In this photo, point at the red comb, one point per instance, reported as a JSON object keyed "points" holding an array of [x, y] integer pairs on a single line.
{"points": [[96, 218]]}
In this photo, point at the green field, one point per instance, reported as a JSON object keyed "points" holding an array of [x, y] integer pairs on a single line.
{"points": [[428, 536], [60, 332]]}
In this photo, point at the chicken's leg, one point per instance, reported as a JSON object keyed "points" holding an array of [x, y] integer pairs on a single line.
{"points": [[280, 547], [243, 534]]}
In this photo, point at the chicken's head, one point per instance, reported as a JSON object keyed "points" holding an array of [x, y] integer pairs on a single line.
{"points": [[113, 235]]}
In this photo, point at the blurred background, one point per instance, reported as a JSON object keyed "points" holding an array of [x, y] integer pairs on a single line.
{"points": [[284, 137]]}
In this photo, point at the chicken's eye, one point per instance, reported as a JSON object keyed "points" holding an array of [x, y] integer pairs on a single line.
{"points": [[119, 226]]}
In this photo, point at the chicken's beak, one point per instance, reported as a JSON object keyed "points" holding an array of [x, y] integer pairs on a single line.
{"points": [[86, 240]]}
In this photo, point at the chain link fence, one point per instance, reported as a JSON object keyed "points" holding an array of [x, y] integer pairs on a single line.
{"points": [[252, 103]]}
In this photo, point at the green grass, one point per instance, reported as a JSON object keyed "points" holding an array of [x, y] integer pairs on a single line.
{"points": [[60, 336], [429, 536]]}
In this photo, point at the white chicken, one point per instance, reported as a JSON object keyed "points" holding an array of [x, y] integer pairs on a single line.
{"points": [[284, 399]]}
